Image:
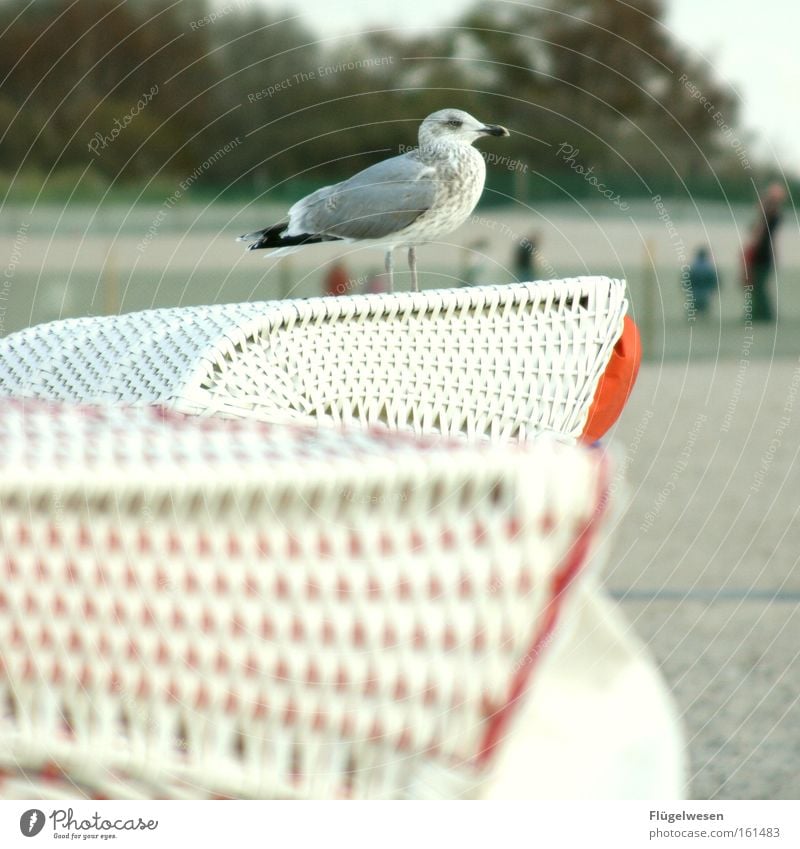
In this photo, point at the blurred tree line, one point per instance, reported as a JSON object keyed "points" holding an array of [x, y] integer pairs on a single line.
{"points": [[134, 92]]}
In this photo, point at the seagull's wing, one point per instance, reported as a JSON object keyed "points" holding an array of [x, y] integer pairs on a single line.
{"points": [[378, 201]]}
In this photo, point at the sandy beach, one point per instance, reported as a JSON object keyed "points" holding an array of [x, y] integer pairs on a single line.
{"points": [[706, 543], [706, 535]]}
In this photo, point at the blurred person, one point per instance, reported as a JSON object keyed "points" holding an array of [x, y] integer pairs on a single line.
{"points": [[337, 280], [525, 255], [759, 254], [376, 284], [703, 280]]}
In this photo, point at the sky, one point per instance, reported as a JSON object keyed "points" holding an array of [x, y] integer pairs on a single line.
{"points": [[752, 45]]}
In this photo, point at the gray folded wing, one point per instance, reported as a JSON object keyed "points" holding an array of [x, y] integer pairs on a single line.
{"points": [[378, 201]]}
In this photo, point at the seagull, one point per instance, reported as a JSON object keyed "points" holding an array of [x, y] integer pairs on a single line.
{"points": [[402, 202]]}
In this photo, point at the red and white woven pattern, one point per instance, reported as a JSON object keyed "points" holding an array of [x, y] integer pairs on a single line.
{"points": [[498, 362], [195, 607]]}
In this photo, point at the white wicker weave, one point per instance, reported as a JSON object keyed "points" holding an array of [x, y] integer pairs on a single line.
{"points": [[195, 607], [496, 361]]}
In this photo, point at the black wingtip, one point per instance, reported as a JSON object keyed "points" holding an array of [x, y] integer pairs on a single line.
{"points": [[274, 237]]}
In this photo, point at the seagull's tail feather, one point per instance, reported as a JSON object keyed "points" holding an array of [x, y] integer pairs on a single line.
{"points": [[275, 237]]}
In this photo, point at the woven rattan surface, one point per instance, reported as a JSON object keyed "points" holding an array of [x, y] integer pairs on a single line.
{"points": [[197, 607], [499, 362]]}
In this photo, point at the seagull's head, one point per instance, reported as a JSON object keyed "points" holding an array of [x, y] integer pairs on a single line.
{"points": [[448, 126]]}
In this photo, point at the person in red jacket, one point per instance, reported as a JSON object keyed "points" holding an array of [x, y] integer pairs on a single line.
{"points": [[337, 280], [759, 254]]}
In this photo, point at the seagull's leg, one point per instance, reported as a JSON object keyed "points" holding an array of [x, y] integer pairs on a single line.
{"points": [[389, 264], [412, 264]]}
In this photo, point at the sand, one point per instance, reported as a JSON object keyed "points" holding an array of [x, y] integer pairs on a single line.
{"points": [[706, 539], [706, 543]]}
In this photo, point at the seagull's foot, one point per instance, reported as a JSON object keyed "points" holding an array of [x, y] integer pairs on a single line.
{"points": [[412, 264], [389, 265]]}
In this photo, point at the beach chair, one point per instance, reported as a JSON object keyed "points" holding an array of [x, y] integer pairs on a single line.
{"points": [[206, 608], [489, 364], [492, 362]]}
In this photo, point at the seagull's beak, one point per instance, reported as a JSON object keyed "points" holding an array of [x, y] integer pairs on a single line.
{"points": [[495, 130]]}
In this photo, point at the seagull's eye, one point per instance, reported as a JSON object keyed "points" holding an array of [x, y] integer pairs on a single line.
{"points": [[454, 123]]}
